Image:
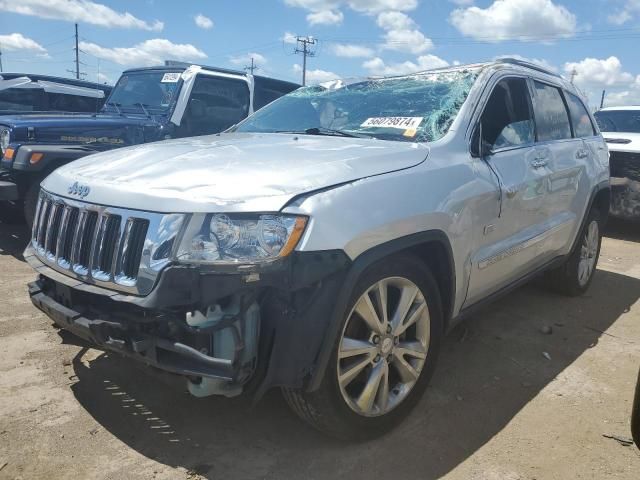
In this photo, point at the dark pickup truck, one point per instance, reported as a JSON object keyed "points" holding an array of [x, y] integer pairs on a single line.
{"points": [[27, 93], [146, 105]]}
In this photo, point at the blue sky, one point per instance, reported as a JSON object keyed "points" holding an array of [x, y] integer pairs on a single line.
{"points": [[598, 39]]}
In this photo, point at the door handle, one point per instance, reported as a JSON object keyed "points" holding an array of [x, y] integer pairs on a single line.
{"points": [[582, 154], [539, 162]]}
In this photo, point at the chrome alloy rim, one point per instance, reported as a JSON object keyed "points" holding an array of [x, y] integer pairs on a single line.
{"points": [[383, 346], [588, 253]]}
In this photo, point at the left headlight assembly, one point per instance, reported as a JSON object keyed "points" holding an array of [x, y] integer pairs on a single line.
{"points": [[239, 239], [5, 139]]}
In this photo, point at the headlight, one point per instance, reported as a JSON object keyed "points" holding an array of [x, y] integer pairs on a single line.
{"points": [[5, 139], [220, 238]]}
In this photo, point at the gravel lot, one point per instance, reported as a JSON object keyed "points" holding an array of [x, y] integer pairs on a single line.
{"points": [[498, 408]]}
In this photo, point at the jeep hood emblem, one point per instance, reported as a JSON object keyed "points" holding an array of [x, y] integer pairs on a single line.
{"points": [[79, 190]]}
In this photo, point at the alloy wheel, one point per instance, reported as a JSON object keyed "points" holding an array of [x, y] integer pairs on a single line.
{"points": [[588, 253], [383, 346]]}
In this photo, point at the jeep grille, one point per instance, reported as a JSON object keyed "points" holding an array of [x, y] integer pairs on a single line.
{"points": [[110, 247]]}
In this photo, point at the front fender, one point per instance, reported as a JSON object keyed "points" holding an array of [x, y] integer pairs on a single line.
{"points": [[53, 156]]}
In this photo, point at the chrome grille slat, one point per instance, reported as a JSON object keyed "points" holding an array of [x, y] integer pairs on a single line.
{"points": [[105, 246]]}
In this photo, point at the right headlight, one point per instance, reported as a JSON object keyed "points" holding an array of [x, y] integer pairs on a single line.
{"points": [[5, 139], [242, 238]]}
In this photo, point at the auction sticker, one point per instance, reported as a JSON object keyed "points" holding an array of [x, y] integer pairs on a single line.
{"points": [[402, 123], [171, 77]]}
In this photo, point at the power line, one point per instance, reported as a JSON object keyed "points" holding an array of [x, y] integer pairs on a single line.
{"points": [[306, 42]]}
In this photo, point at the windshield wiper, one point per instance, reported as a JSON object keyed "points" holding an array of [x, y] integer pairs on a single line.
{"points": [[142, 105], [117, 105], [323, 131]]}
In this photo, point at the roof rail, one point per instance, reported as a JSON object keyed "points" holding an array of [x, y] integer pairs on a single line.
{"points": [[531, 65]]}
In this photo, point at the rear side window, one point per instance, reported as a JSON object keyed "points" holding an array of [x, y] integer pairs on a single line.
{"points": [[507, 120], [552, 119], [582, 125]]}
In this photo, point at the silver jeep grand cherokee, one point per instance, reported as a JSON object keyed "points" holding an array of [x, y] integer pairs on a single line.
{"points": [[326, 244]]}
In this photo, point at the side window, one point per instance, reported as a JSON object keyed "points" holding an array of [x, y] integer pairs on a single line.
{"points": [[215, 104], [552, 119], [507, 120], [582, 125]]}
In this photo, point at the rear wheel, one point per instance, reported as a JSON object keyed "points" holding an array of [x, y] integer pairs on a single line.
{"points": [[384, 356], [575, 276]]}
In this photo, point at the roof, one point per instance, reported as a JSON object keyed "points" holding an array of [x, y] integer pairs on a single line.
{"points": [[171, 65], [50, 78], [620, 108]]}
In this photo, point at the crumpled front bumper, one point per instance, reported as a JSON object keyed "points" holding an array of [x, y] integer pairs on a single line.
{"points": [[296, 301], [166, 354]]}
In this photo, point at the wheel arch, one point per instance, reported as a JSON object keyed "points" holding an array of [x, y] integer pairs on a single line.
{"points": [[431, 247]]}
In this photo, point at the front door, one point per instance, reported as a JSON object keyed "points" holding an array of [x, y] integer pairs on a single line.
{"points": [[510, 245]]}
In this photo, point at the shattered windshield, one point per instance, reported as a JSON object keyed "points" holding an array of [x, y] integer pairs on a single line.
{"points": [[142, 92], [415, 108], [619, 121]]}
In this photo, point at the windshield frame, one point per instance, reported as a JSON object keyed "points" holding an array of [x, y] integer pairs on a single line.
{"points": [[124, 110], [472, 75]]}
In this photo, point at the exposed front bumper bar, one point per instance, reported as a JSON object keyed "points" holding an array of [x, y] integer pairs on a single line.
{"points": [[162, 353]]}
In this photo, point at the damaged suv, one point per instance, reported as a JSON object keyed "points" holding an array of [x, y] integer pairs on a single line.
{"points": [[327, 243]]}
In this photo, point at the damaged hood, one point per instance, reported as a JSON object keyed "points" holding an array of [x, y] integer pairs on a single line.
{"points": [[622, 141], [235, 172]]}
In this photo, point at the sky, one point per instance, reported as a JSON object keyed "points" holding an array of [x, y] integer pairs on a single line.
{"points": [[594, 41]]}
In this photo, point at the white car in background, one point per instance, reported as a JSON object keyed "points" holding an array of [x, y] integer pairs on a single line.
{"points": [[621, 129]]}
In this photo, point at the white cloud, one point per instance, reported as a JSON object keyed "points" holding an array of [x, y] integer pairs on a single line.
{"points": [[84, 11], [317, 75], [203, 22], [351, 51], [599, 72], [377, 66], [102, 78], [244, 60], [16, 41], [519, 19], [628, 12], [402, 33], [362, 6], [149, 52], [325, 17], [289, 37]]}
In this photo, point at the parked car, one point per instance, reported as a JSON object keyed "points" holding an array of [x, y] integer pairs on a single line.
{"points": [[621, 129], [28, 93], [325, 244], [146, 105]]}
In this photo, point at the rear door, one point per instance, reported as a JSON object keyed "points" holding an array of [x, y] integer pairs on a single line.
{"points": [[507, 246], [562, 157]]}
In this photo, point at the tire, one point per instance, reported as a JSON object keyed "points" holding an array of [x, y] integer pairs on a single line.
{"points": [[31, 201], [571, 279], [343, 409]]}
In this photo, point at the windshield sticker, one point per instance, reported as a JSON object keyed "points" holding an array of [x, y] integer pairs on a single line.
{"points": [[171, 77], [402, 123]]}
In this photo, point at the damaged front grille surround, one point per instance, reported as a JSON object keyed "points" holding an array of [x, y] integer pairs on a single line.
{"points": [[115, 248]]}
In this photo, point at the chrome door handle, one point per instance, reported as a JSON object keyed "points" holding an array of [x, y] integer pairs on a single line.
{"points": [[539, 163], [582, 154]]}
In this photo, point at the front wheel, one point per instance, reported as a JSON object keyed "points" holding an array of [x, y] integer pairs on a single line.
{"points": [[574, 277], [383, 357]]}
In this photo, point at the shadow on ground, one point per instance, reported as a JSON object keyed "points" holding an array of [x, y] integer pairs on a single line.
{"points": [[13, 238], [623, 230], [490, 368]]}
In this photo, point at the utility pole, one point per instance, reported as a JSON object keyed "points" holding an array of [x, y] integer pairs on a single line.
{"points": [[1, 58], [602, 99], [252, 67], [306, 52], [77, 55], [574, 72]]}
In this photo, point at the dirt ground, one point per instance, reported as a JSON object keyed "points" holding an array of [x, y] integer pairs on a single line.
{"points": [[507, 401]]}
